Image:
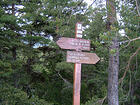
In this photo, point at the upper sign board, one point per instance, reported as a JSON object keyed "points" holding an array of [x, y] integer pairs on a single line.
{"points": [[73, 43]]}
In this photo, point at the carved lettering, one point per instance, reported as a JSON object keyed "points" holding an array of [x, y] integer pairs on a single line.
{"points": [[82, 57]]}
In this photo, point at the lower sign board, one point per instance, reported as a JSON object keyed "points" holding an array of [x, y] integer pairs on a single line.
{"points": [[82, 57]]}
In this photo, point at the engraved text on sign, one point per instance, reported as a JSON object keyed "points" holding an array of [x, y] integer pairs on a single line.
{"points": [[73, 43], [82, 57]]}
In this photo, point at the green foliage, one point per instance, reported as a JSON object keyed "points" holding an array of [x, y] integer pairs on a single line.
{"points": [[32, 66], [8, 19], [5, 68], [112, 51], [12, 96]]}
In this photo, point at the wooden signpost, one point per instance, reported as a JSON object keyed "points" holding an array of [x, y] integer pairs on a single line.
{"points": [[77, 57]]}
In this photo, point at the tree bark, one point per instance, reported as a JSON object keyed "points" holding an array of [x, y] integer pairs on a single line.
{"points": [[113, 58], [113, 74]]}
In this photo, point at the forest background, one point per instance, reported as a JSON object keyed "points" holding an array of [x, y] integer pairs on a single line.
{"points": [[33, 70]]}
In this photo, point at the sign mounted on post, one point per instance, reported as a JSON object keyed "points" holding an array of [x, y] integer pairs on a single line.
{"points": [[82, 57], [77, 57], [73, 43], [79, 30]]}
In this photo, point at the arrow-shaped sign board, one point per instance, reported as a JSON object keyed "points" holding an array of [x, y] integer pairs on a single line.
{"points": [[82, 57], [73, 43]]}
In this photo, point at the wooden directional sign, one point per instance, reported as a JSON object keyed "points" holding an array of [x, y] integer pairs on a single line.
{"points": [[82, 57], [77, 57], [73, 43]]}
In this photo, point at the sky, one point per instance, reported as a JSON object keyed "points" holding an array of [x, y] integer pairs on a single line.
{"points": [[88, 1]]}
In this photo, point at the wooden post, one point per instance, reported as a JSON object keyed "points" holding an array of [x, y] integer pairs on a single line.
{"points": [[77, 70], [78, 57], [77, 84]]}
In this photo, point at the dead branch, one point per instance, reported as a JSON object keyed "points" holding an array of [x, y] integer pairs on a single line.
{"points": [[130, 40], [135, 39], [101, 101], [89, 6], [66, 81], [128, 65], [127, 68]]}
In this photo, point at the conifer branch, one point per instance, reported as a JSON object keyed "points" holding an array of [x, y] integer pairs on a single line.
{"points": [[90, 6]]}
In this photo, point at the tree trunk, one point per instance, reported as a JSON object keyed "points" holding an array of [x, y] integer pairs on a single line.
{"points": [[14, 48], [14, 53], [113, 57], [113, 74]]}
